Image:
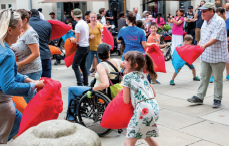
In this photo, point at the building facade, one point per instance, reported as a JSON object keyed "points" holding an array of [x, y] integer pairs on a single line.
{"points": [[62, 9]]}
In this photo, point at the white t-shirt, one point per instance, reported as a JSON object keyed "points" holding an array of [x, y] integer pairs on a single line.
{"points": [[41, 15], [83, 29], [227, 13], [103, 20]]}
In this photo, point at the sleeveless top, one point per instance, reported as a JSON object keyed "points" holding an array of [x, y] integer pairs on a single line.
{"points": [[109, 69]]}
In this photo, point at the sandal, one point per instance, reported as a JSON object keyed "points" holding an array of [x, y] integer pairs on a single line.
{"points": [[92, 70]]}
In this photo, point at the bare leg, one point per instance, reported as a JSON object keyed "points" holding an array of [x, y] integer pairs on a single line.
{"points": [[130, 141], [94, 64], [227, 69], [175, 74], [194, 73], [151, 141]]}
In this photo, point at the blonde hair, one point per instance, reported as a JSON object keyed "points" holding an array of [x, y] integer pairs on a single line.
{"points": [[6, 21], [93, 13]]}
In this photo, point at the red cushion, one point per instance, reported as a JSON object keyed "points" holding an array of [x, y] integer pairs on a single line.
{"points": [[157, 57], [117, 114], [184, 33], [54, 50], [70, 48], [108, 38], [69, 60], [45, 105], [58, 29], [189, 53]]}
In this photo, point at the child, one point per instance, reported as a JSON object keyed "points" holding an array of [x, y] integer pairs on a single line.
{"points": [[137, 89], [155, 38], [187, 41]]}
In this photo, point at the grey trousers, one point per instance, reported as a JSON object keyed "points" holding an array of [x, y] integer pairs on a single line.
{"points": [[206, 70]]}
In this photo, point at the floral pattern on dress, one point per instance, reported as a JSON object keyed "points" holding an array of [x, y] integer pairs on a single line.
{"points": [[143, 123]]}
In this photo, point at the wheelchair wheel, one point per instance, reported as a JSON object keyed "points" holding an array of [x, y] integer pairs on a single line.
{"points": [[90, 112]]}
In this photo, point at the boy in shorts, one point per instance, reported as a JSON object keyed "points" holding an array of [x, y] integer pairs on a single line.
{"points": [[187, 41]]}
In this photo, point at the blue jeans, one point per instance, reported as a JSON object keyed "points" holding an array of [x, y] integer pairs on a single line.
{"points": [[46, 68], [75, 91], [90, 58], [16, 126], [34, 76]]}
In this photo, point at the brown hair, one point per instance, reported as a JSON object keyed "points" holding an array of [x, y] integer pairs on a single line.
{"points": [[188, 37], [101, 10], [153, 24], [132, 18], [158, 17], [25, 14], [143, 61], [182, 11]]}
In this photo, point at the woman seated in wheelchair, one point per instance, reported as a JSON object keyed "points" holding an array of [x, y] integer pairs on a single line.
{"points": [[104, 68]]}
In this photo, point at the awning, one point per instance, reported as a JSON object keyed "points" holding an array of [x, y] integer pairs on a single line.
{"points": [[54, 1]]}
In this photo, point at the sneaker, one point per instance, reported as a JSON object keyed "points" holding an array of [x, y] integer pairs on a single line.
{"points": [[195, 99], [211, 79], [172, 82], [196, 78], [227, 77], [217, 103]]}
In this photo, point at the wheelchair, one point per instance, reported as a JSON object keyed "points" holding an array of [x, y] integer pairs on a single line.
{"points": [[89, 111]]}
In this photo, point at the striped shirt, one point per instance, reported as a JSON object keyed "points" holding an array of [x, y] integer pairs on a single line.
{"points": [[44, 30], [215, 29]]}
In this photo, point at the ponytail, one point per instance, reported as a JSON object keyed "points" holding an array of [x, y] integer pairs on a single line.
{"points": [[132, 18], [149, 66]]}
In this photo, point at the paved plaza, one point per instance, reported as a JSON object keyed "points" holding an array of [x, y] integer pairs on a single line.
{"points": [[181, 123]]}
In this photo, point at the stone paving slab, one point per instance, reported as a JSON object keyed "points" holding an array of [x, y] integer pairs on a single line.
{"points": [[221, 116], [185, 107], [169, 137], [175, 120], [224, 103], [204, 143], [210, 131]]}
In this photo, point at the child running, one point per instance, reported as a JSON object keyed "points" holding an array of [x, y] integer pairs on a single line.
{"points": [[187, 41], [137, 89]]}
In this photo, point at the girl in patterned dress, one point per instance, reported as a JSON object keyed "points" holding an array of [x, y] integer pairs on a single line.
{"points": [[137, 89]]}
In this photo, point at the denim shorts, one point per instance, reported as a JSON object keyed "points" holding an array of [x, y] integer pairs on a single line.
{"points": [[190, 66]]}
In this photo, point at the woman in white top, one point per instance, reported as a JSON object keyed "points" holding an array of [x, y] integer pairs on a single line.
{"points": [[101, 76]]}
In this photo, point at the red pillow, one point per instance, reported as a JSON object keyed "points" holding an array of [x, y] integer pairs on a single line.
{"points": [[70, 48], [58, 29], [69, 60], [54, 50], [45, 105], [108, 38], [20, 103], [184, 33], [158, 58], [117, 114], [189, 53]]}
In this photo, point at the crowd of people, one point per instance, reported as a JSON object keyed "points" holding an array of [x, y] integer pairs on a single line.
{"points": [[25, 58]]}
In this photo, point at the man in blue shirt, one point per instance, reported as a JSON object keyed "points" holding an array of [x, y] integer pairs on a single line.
{"points": [[199, 21], [109, 17], [44, 30]]}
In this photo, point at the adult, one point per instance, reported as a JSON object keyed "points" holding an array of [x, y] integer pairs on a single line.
{"points": [[12, 83], [109, 16], [135, 10], [121, 20], [95, 32], [87, 17], [199, 21], [44, 30], [146, 17], [213, 60], [101, 77], [81, 39], [74, 22], [190, 22], [159, 20], [177, 30], [226, 6], [40, 14], [134, 38], [102, 12], [221, 12], [52, 15], [27, 51]]}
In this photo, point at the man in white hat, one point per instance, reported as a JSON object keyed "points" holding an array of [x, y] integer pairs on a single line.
{"points": [[213, 60]]}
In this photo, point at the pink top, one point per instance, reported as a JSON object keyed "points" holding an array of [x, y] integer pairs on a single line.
{"points": [[161, 23], [178, 29]]}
